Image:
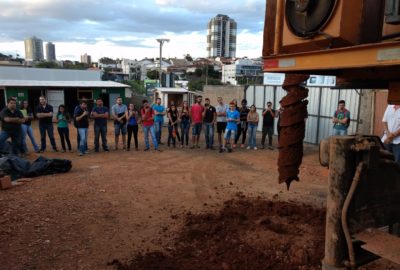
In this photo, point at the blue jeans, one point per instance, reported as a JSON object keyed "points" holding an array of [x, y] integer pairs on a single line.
{"points": [[146, 131], [395, 150], [252, 135], [100, 130], [27, 130], [83, 134], [43, 127], [209, 134], [158, 130], [15, 140], [339, 132], [185, 125]]}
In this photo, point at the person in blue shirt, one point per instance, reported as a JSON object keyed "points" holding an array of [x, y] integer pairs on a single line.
{"points": [[233, 118], [118, 113], [159, 112], [100, 116], [341, 119], [132, 116]]}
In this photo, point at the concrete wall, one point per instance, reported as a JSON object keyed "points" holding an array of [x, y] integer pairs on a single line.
{"points": [[227, 92], [365, 124]]}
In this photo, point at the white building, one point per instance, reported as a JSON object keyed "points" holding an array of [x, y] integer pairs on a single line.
{"points": [[221, 37], [33, 49], [242, 68], [86, 59]]}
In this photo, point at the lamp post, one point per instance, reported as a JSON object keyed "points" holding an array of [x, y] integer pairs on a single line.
{"points": [[161, 41]]}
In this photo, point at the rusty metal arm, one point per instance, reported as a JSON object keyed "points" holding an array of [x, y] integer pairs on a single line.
{"points": [[352, 261]]}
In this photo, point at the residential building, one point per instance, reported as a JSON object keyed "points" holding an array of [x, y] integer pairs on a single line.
{"points": [[221, 37], [86, 59], [33, 49], [243, 69], [50, 52]]}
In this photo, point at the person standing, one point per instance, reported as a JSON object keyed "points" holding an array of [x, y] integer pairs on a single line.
{"points": [[209, 118], [77, 133], [118, 113], [196, 115], [148, 125], [268, 125], [27, 127], [242, 125], [221, 120], [100, 116], [45, 115], [341, 119], [391, 125], [11, 120], [132, 126], [63, 119], [81, 116], [233, 118], [252, 121], [185, 123], [173, 125], [159, 112]]}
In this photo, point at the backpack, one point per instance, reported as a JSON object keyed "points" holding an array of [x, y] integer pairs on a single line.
{"points": [[348, 119]]}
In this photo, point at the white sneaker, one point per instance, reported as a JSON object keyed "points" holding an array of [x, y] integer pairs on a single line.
{"points": [[255, 148], [248, 148]]}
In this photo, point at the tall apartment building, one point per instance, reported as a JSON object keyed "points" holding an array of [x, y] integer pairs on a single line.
{"points": [[87, 59], [33, 49], [50, 52], [221, 37]]}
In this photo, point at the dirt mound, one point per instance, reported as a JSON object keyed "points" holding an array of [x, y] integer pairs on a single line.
{"points": [[245, 234]]}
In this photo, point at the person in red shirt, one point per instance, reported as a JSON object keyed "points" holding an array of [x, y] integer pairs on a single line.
{"points": [[148, 125], [196, 115]]}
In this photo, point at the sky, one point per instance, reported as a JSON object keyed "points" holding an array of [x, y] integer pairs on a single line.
{"points": [[127, 28]]}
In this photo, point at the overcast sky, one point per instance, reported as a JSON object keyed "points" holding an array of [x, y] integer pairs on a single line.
{"points": [[126, 28]]}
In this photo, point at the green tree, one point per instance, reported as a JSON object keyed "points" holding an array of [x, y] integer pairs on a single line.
{"points": [[137, 86], [153, 74], [107, 60], [198, 85], [47, 65], [188, 57]]}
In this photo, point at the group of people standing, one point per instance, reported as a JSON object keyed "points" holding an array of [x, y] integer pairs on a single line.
{"points": [[233, 123]]}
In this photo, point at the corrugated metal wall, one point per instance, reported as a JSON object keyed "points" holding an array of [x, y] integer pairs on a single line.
{"points": [[322, 105]]}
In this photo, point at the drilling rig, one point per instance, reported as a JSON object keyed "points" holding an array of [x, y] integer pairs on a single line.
{"points": [[358, 41]]}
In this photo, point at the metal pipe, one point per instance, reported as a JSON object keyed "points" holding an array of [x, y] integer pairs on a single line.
{"points": [[346, 205], [278, 26]]}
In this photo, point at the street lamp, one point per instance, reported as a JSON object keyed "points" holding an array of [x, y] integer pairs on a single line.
{"points": [[161, 41]]}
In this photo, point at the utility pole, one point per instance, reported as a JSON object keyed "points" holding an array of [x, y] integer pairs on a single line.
{"points": [[161, 41]]}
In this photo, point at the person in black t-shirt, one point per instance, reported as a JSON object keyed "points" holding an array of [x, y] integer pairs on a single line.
{"points": [[209, 118], [242, 125], [11, 118], [45, 115], [173, 117], [268, 125], [81, 116]]}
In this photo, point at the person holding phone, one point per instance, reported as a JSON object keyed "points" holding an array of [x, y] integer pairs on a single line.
{"points": [[132, 126], [118, 113], [81, 116]]}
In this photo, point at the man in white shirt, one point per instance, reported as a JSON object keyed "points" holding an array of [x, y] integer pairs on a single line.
{"points": [[221, 109], [391, 125]]}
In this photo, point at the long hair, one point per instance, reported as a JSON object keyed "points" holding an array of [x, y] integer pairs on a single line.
{"points": [[65, 113], [183, 107]]}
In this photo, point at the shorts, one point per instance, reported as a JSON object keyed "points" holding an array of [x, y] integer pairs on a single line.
{"points": [[230, 133], [196, 129], [119, 128], [221, 126]]}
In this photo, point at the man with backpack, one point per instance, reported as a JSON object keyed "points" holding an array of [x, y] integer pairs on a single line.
{"points": [[341, 119]]}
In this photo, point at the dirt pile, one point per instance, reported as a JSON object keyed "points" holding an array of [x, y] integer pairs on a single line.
{"points": [[244, 234]]}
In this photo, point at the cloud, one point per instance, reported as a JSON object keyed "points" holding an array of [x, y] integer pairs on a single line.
{"points": [[124, 23]]}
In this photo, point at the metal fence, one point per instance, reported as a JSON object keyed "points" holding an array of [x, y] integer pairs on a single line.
{"points": [[321, 107]]}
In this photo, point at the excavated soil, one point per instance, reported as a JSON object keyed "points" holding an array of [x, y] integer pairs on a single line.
{"points": [[244, 234]]}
